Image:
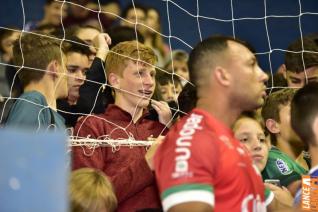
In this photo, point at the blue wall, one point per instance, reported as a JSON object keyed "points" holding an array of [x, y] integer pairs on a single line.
{"points": [[248, 21]]}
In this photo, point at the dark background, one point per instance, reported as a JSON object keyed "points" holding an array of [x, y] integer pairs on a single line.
{"points": [[285, 21]]}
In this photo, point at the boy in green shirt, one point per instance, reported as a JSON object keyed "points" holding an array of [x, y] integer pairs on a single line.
{"points": [[287, 146]]}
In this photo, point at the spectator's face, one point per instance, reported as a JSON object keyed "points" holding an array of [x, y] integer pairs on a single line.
{"points": [[7, 43], [113, 9], [54, 12], [79, 9], [88, 35], [77, 66], [170, 91], [181, 69], [131, 17], [249, 132], [152, 21], [299, 79], [246, 77], [286, 132], [136, 85]]}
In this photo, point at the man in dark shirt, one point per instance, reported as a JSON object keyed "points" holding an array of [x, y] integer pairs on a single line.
{"points": [[77, 55]]}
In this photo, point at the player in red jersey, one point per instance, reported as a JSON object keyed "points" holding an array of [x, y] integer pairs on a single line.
{"points": [[200, 166]]}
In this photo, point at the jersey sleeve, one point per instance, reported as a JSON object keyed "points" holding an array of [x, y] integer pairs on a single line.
{"points": [[269, 196], [185, 168]]}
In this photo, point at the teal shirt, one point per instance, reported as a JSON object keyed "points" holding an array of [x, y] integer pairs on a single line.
{"points": [[280, 166], [31, 111]]}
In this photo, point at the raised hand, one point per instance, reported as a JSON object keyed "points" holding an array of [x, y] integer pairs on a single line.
{"points": [[101, 43], [164, 112]]}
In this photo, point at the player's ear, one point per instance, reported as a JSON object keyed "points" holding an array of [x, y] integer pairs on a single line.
{"points": [[222, 76], [282, 69], [52, 68], [114, 80], [272, 126]]}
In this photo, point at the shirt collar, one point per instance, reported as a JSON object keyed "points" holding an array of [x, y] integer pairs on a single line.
{"points": [[122, 114], [215, 123]]}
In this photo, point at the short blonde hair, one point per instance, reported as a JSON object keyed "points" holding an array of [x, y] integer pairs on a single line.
{"points": [[129, 50], [91, 191]]}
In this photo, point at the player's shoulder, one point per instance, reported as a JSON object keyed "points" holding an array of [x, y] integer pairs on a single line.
{"points": [[191, 127], [190, 134], [31, 99]]}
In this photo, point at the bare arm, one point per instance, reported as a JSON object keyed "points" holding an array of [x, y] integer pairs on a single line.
{"points": [[191, 206]]}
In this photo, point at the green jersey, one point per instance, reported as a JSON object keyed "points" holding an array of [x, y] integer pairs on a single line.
{"points": [[280, 166]]}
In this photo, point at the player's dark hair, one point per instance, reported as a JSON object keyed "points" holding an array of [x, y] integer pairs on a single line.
{"points": [[296, 60], [201, 56], [304, 111]]}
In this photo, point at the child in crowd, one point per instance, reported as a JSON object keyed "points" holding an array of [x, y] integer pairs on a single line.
{"points": [[249, 130], [169, 86], [178, 65], [287, 146], [91, 191]]}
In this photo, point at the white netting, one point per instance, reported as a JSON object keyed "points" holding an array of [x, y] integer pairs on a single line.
{"points": [[106, 140]]}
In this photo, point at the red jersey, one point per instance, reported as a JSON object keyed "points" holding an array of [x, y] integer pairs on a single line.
{"points": [[201, 161]]}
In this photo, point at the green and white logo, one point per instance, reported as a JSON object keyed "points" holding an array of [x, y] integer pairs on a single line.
{"points": [[283, 167]]}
